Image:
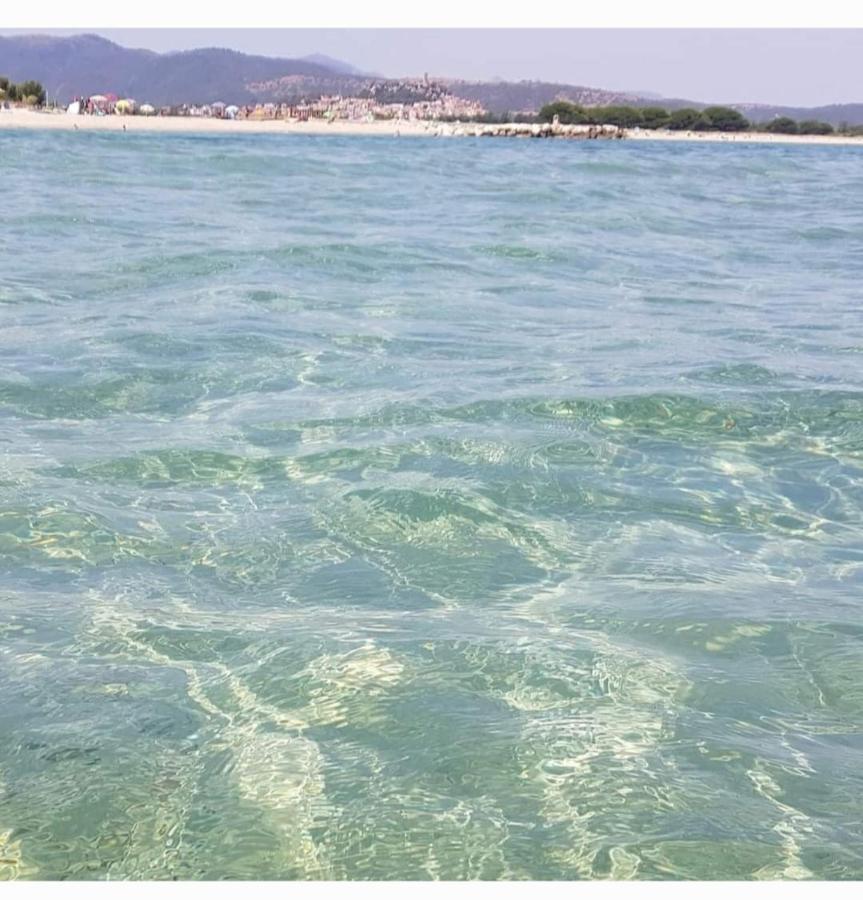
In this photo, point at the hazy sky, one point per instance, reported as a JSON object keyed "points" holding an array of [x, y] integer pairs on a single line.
{"points": [[794, 67]]}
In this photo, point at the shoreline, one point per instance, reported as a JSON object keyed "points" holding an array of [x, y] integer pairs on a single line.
{"points": [[21, 119]]}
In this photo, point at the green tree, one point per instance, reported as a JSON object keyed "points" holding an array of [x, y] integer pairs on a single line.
{"points": [[31, 92], [687, 119], [654, 117], [566, 112], [724, 118], [622, 116], [782, 125], [810, 126]]}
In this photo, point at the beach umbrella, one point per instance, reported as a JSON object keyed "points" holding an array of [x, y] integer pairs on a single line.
{"points": [[147, 110], [231, 111]]}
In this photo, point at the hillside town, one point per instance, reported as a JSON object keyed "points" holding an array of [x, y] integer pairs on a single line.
{"points": [[401, 101], [424, 104]]}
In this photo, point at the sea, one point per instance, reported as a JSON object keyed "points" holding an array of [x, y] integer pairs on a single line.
{"points": [[380, 508]]}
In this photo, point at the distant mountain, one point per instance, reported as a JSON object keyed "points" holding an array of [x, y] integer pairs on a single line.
{"points": [[509, 96], [520, 96], [835, 114], [337, 65], [89, 64]]}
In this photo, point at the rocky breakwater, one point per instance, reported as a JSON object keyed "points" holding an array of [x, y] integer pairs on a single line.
{"points": [[533, 130]]}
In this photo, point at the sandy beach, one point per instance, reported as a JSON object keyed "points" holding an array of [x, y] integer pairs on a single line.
{"points": [[745, 137], [30, 119], [13, 119]]}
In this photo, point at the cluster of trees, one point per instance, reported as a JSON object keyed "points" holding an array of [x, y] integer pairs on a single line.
{"points": [[713, 118], [785, 125], [30, 92], [493, 118]]}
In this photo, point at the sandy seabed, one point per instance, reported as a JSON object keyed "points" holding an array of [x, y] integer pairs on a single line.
{"points": [[30, 119]]}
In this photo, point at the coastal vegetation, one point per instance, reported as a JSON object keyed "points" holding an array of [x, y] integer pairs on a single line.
{"points": [[724, 118], [810, 126], [712, 118], [783, 125], [787, 125], [686, 119], [31, 93]]}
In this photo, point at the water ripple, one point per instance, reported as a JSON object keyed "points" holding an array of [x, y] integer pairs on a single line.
{"points": [[427, 510]]}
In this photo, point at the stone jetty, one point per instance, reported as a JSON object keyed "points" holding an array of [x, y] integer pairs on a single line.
{"points": [[531, 130]]}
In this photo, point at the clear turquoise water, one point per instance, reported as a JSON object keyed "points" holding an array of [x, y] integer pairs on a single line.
{"points": [[377, 508]]}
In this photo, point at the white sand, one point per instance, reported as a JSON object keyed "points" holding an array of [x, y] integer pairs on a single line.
{"points": [[25, 118], [756, 137], [28, 119]]}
